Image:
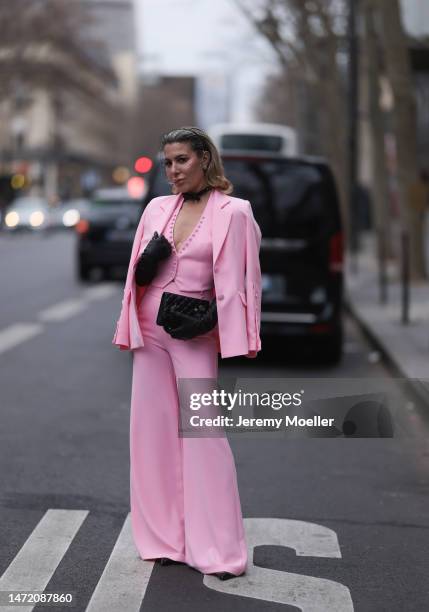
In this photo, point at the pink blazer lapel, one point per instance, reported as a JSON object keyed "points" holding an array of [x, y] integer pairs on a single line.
{"points": [[160, 216], [221, 221], [164, 211]]}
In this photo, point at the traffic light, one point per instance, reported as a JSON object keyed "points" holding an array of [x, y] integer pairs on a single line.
{"points": [[143, 165]]}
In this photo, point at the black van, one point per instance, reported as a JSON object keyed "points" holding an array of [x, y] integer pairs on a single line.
{"points": [[295, 203]]}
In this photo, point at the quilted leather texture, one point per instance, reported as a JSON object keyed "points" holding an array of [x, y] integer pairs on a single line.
{"points": [[192, 307]]}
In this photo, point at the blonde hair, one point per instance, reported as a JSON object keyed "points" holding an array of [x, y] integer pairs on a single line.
{"points": [[200, 141]]}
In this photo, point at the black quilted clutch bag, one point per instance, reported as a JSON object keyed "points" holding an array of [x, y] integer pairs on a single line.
{"points": [[193, 307]]}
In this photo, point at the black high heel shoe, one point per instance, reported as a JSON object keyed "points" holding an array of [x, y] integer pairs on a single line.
{"points": [[220, 575], [167, 561], [225, 575]]}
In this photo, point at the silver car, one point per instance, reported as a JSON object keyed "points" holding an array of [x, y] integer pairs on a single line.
{"points": [[27, 212]]}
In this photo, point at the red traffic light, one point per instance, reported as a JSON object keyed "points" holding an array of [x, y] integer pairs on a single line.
{"points": [[143, 164], [136, 187]]}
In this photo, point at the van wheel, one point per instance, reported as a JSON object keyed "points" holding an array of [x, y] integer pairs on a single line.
{"points": [[331, 351]]}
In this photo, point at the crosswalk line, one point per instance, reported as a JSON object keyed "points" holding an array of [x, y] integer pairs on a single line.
{"points": [[41, 554], [123, 583], [17, 333]]}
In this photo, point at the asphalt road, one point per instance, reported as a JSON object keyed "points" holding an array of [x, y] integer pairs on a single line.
{"points": [[333, 524]]}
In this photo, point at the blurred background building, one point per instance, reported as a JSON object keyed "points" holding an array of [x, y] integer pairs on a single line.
{"points": [[68, 97], [113, 22], [164, 103]]}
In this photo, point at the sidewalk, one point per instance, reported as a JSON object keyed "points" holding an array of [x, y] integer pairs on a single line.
{"points": [[406, 346]]}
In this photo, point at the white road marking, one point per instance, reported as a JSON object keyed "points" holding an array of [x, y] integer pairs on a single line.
{"points": [[307, 593], [41, 554], [123, 583], [14, 334], [62, 310], [100, 292], [17, 333]]}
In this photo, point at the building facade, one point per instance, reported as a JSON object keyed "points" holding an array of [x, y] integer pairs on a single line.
{"points": [[67, 134], [114, 23]]}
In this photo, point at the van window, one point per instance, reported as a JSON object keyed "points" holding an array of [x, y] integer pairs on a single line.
{"points": [[252, 142], [288, 198]]}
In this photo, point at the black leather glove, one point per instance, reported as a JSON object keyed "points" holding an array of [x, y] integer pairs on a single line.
{"points": [[184, 327], [157, 249]]}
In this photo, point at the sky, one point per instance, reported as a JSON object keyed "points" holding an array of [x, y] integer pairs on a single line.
{"points": [[212, 38], [198, 37], [416, 16]]}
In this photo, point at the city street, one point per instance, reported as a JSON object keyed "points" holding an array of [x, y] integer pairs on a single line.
{"points": [[333, 525]]}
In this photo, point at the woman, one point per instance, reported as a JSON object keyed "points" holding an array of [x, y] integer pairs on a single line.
{"points": [[202, 243]]}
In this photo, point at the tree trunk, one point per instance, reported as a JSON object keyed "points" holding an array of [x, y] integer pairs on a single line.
{"points": [[399, 72], [380, 199], [331, 99]]}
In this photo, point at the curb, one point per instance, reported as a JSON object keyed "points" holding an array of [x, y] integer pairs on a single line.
{"points": [[417, 387]]}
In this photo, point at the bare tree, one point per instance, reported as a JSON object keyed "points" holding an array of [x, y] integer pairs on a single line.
{"points": [[372, 69], [277, 101], [44, 44], [310, 34], [289, 99]]}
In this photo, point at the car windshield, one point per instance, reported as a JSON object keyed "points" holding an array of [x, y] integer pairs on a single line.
{"points": [[82, 206], [252, 142], [289, 198], [29, 204]]}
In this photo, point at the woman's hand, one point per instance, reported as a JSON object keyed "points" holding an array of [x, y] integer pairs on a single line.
{"points": [[157, 249], [184, 327]]}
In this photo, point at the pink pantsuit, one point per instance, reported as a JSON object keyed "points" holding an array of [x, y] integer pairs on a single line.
{"points": [[184, 496]]}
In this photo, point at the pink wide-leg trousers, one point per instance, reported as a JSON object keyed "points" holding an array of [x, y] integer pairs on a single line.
{"points": [[183, 491]]}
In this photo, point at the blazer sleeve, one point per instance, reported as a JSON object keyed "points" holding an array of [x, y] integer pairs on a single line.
{"points": [[121, 337], [253, 283]]}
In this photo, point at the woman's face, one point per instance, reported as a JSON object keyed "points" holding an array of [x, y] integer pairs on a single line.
{"points": [[184, 168]]}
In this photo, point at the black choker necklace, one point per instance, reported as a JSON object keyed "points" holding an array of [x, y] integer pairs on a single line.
{"points": [[195, 195]]}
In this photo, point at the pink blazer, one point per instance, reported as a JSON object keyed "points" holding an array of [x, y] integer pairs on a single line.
{"points": [[236, 273]]}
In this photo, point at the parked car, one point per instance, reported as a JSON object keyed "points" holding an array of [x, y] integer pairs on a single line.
{"points": [[295, 203], [105, 231], [67, 214], [27, 213]]}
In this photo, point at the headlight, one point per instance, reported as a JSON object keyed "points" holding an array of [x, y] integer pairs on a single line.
{"points": [[11, 219], [36, 218], [71, 217]]}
